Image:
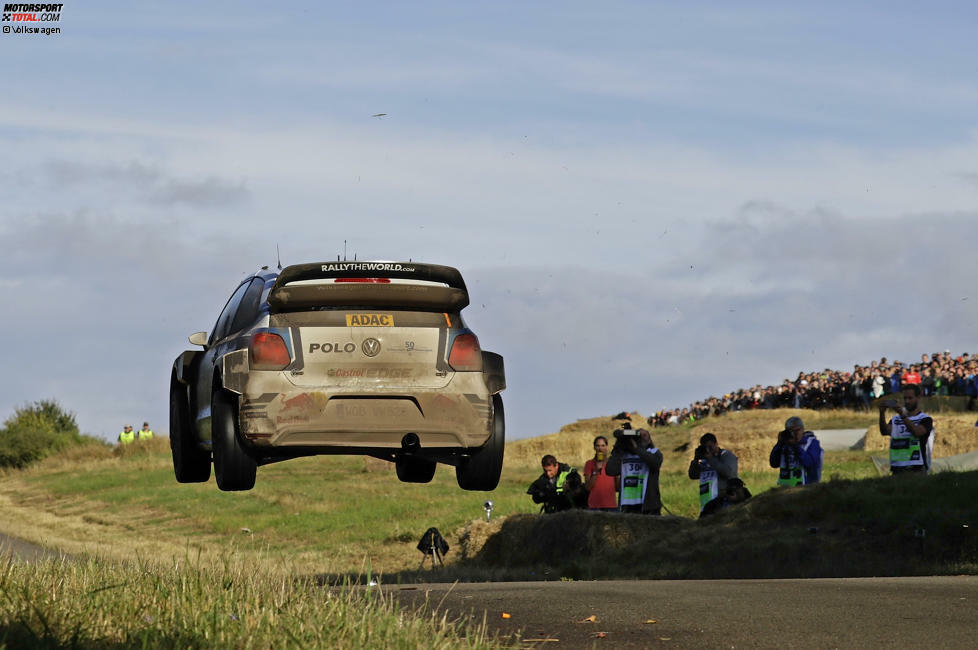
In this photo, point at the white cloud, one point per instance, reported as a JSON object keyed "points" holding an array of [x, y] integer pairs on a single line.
{"points": [[654, 204]]}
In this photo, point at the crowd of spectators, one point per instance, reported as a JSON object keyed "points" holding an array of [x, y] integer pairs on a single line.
{"points": [[937, 374]]}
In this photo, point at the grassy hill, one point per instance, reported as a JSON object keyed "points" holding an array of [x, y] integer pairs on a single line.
{"points": [[325, 515], [344, 516]]}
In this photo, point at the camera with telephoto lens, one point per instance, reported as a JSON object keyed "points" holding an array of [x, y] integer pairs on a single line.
{"points": [[699, 452], [626, 432], [786, 436]]}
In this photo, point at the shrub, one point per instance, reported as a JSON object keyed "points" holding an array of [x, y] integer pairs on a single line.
{"points": [[35, 431]]}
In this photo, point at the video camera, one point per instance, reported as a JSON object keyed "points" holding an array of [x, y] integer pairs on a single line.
{"points": [[626, 431]]}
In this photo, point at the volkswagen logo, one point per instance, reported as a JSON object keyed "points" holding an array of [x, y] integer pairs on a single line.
{"points": [[371, 347]]}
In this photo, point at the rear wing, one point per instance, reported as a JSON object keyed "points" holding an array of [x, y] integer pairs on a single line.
{"points": [[439, 288]]}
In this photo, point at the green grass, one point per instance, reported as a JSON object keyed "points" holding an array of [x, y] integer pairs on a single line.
{"points": [[328, 508], [100, 604], [330, 511]]}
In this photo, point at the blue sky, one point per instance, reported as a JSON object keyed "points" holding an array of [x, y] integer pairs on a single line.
{"points": [[652, 203]]}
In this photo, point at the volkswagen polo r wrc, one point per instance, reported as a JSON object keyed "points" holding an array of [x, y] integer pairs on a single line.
{"points": [[367, 358]]}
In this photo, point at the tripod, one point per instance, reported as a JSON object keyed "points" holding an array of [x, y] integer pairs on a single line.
{"points": [[433, 544]]}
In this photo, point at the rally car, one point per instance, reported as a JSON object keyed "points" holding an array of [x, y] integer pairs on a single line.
{"points": [[367, 358]]}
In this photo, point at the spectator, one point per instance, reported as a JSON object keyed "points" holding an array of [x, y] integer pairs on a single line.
{"points": [[601, 487], [797, 454], [735, 492], [940, 374], [910, 431], [637, 461], [878, 385], [894, 382], [127, 436], [911, 376], [714, 467], [927, 381], [559, 487], [145, 433]]}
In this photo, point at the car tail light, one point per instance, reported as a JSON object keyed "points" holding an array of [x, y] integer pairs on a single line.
{"points": [[466, 353], [268, 352], [369, 280]]}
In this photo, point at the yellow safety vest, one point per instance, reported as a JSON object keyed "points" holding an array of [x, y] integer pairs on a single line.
{"points": [[145, 435], [563, 477], [126, 437]]}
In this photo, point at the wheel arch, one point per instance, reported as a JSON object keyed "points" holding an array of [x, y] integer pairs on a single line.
{"points": [[185, 364]]}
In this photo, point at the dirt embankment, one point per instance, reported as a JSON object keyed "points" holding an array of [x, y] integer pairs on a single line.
{"points": [[841, 528]]}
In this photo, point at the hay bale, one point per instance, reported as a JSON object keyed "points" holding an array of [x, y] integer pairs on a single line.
{"points": [[473, 536]]}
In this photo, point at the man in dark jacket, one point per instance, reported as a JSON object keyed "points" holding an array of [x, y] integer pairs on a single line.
{"points": [[560, 487], [637, 460], [713, 467]]}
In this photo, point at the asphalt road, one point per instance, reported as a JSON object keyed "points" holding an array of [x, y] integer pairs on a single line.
{"points": [[25, 551], [821, 613]]}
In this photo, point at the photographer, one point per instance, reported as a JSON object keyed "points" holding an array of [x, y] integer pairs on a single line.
{"points": [[713, 467], [735, 492], [559, 487], [798, 454], [637, 461], [911, 442]]}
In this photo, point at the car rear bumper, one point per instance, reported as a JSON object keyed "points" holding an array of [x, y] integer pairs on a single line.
{"points": [[456, 416]]}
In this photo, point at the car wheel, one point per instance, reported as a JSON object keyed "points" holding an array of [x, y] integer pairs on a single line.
{"points": [[191, 464], [480, 471], [411, 469], [234, 468]]}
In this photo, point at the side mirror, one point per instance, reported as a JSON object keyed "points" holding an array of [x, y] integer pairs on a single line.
{"points": [[199, 338]]}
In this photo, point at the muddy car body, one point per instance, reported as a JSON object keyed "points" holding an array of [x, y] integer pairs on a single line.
{"points": [[369, 358]]}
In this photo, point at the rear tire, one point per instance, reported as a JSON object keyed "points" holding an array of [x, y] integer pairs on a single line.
{"points": [[191, 464], [481, 470], [411, 469], [234, 468]]}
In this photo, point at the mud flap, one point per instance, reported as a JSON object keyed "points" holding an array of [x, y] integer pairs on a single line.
{"points": [[494, 372], [234, 371]]}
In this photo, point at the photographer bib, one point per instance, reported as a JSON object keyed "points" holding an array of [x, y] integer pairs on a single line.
{"points": [[792, 472], [709, 486], [634, 479], [906, 449]]}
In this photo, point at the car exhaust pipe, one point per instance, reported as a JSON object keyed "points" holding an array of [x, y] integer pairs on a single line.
{"points": [[410, 443]]}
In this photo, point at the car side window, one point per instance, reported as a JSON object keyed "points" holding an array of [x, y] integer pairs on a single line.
{"points": [[226, 317], [248, 309]]}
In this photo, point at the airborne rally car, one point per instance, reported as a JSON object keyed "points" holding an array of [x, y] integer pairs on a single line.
{"points": [[369, 358]]}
